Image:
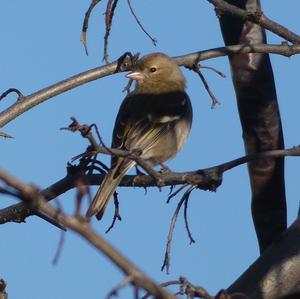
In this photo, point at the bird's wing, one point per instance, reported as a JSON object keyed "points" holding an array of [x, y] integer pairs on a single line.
{"points": [[144, 119]]}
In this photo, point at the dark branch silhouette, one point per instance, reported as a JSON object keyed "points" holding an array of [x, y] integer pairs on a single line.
{"points": [[254, 84], [205, 179], [85, 24], [253, 14]]}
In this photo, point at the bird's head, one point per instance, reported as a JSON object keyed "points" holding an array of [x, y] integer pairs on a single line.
{"points": [[157, 73]]}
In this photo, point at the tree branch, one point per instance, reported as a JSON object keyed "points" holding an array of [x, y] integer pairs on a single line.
{"points": [[31, 197], [256, 16], [276, 272], [188, 61], [205, 179], [254, 84]]}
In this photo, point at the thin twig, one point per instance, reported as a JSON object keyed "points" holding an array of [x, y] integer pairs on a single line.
{"points": [[59, 248], [85, 131], [192, 240], [294, 151], [214, 70], [166, 263], [109, 14], [85, 24], [121, 285], [10, 90], [215, 102], [173, 194], [136, 292], [154, 40]]}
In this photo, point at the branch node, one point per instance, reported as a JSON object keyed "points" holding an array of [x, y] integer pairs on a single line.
{"points": [[10, 90], [215, 102]]}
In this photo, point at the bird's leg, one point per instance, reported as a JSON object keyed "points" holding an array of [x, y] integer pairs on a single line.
{"points": [[164, 169]]}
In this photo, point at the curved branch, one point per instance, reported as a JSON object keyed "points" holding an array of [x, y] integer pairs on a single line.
{"points": [[32, 198], [85, 24], [188, 61], [276, 272]]}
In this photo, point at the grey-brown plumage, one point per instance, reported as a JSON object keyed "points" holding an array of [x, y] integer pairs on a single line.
{"points": [[155, 118]]}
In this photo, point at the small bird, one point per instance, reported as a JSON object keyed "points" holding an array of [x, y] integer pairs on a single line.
{"points": [[154, 119]]}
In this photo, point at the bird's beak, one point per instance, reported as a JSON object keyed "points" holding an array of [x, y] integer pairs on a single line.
{"points": [[135, 76]]}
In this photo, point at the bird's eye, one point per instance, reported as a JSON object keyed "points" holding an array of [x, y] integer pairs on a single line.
{"points": [[153, 70]]}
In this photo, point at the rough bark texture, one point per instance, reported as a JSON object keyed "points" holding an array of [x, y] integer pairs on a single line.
{"points": [[276, 273], [254, 85]]}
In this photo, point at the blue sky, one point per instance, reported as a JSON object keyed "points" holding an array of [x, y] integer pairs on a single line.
{"points": [[40, 46]]}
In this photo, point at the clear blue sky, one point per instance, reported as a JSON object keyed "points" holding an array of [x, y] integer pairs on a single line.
{"points": [[40, 45]]}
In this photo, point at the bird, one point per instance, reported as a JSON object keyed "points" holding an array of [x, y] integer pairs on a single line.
{"points": [[154, 119]]}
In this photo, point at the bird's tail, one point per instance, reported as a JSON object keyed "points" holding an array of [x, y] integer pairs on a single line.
{"points": [[105, 192]]}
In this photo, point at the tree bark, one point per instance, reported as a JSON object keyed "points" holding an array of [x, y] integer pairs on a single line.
{"points": [[276, 273], [254, 85]]}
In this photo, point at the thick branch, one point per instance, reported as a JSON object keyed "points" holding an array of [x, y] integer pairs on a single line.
{"points": [[3, 293], [30, 101], [276, 273], [254, 85], [29, 195]]}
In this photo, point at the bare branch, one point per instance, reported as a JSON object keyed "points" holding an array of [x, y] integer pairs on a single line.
{"points": [[109, 14], [59, 247], [121, 285], [256, 17], [214, 100], [154, 40], [205, 179], [166, 263], [173, 194], [164, 284], [85, 24], [31, 197], [275, 274], [214, 70], [187, 227], [188, 60], [10, 90]]}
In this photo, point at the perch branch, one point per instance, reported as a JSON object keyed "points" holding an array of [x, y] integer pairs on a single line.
{"points": [[205, 179], [188, 61]]}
